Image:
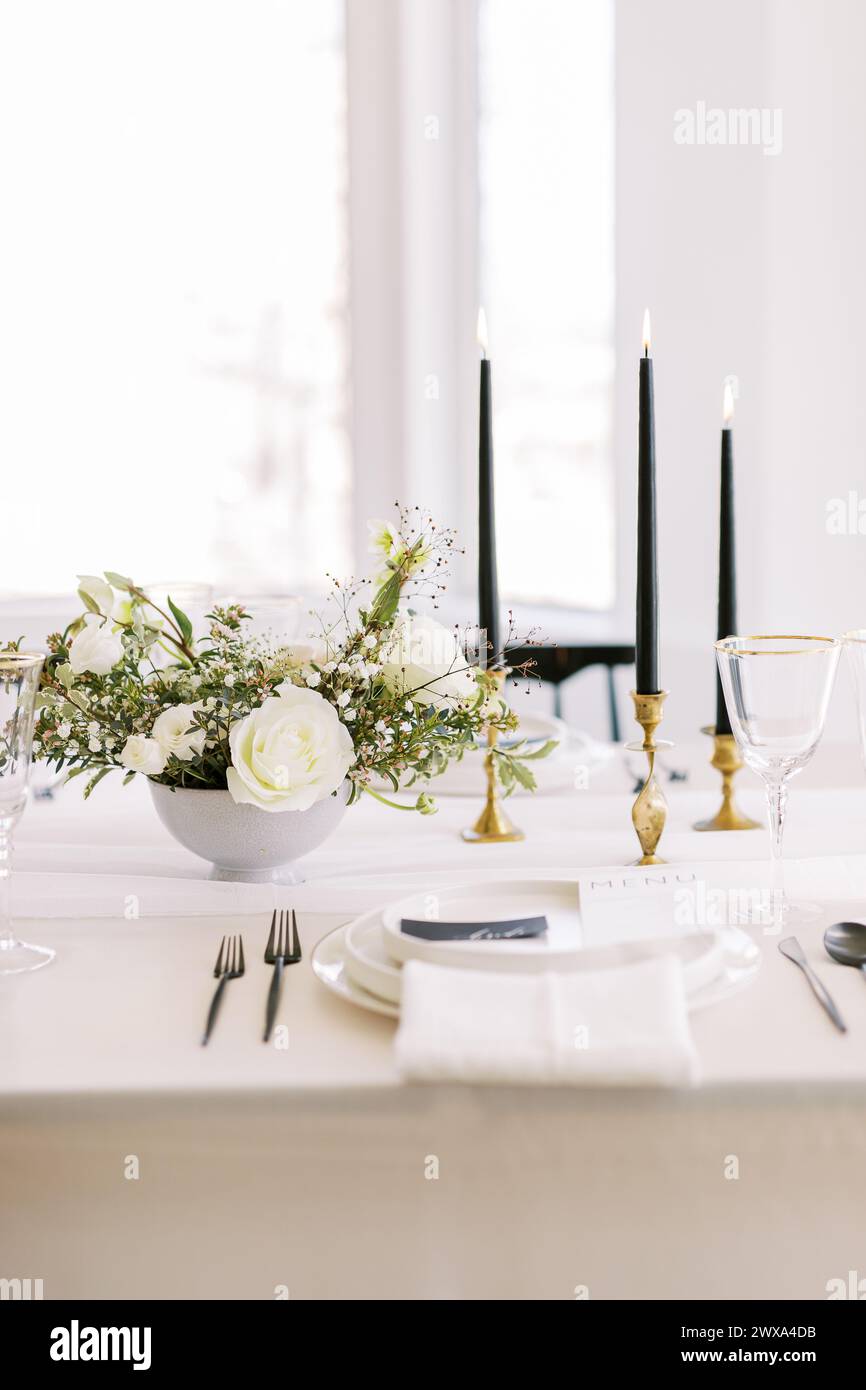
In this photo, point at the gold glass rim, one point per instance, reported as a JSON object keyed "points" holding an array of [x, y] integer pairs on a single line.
{"points": [[827, 644], [21, 660]]}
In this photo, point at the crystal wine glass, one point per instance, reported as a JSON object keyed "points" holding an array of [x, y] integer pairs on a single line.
{"points": [[777, 690], [855, 644], [19, 682]]}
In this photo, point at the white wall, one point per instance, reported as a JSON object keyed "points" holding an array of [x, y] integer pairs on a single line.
{"points": [[752, 265]]}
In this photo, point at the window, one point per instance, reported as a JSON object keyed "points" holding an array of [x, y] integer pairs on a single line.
{"points": [[173, 333], [547, 271]]}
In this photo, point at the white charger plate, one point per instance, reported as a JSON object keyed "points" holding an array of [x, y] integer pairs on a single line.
{"points": [[330, 961], [369, 965], [357, 961]]}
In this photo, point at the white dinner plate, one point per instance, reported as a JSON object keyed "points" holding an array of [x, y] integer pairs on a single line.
{"points": [[369, 964], [367, 961], [535, 728], [329, 966], [740, 961], [506, 900]]}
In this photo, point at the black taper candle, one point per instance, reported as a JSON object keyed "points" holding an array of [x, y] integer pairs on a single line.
{"points": [[488, 586], [726, 625], [647, 625]]}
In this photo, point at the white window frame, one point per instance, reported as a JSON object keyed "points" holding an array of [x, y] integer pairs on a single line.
{"points": [[409, 63]]}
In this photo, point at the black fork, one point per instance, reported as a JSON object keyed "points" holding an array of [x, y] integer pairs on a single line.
{"points": [[278, 954], [229, 966]]}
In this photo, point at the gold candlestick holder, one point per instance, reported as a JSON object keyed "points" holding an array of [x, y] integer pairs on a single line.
{"points": [[650, 811], [726, 760], [493, 825]]}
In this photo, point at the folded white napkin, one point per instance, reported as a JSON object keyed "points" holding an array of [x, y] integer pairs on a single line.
{"points": [[623, 1026]]}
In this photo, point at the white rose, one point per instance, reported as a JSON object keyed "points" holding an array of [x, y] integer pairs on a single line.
{"points": [[99, 591], [171, 729], [423, 659], [289, 753], [96, 648], [142, 754]]}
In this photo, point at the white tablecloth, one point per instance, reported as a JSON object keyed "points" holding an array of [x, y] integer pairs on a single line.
{"points": [[311, 1167]]}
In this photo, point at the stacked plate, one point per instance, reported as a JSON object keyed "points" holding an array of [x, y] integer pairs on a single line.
{"points": [[363, 961]]}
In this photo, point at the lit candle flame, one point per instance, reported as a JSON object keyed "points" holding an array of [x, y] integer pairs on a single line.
{"points": [[482, 332], [728, 406], [647, 338]]}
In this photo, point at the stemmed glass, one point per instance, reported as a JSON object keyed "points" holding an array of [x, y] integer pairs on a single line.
{"points": [[855, 644], [19, 682], [777, 690]]}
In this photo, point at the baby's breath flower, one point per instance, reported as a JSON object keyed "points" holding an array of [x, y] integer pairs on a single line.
{"points": [[228, 675]]}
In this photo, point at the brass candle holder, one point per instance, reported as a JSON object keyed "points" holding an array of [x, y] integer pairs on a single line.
{"points": [[493, 825], [726, 760], [649, 812]]}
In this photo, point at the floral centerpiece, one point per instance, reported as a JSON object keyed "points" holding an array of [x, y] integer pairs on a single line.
{"points": [[381, 695]]}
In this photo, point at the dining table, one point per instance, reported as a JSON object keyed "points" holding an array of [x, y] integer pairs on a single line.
{"points": [[135, 1163]]}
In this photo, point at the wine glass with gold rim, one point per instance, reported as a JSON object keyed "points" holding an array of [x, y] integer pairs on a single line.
{"points": [[777, 690], [19, 684], [855, 645]]}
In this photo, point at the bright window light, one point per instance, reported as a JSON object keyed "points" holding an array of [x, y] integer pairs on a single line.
{"points": [[547, 257]]}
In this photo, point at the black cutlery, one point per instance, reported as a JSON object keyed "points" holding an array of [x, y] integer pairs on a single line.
{"points": [[792, 949], [229, 968], [846, 943], [278, 955]]}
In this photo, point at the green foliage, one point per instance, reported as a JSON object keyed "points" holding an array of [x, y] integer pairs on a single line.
{"points": [[401, 735]]}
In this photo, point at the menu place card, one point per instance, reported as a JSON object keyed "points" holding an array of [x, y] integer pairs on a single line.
{"points": [[513, 929]]}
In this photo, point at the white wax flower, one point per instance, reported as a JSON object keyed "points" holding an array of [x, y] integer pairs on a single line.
{"points": [[290, 753]]}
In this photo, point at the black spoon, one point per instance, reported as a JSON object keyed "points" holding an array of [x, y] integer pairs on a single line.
{"points": [[846, 943]]}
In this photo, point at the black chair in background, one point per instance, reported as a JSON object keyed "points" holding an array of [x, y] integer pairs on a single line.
{"points": [[555, 665]]}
